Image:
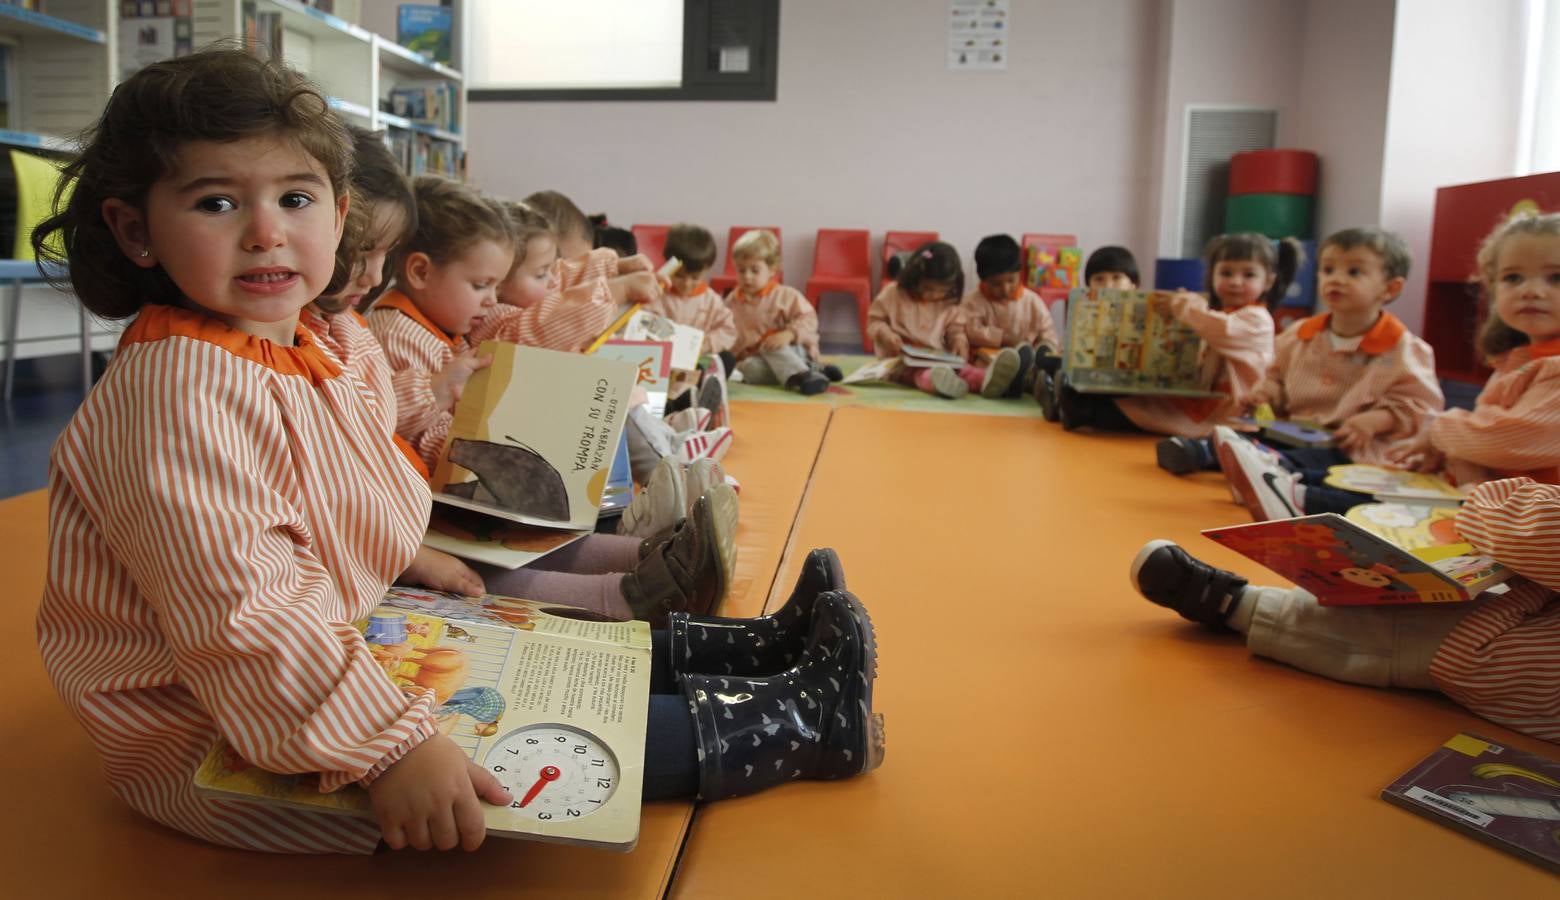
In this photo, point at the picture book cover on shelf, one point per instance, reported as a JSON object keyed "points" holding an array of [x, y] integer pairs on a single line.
{"points": [[1117, 343], [1343, 564], [534, 436], [1394, 484], [425, 28], [1500, 795], [550, 699]]}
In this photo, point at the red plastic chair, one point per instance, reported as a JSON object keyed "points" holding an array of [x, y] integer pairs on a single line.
{"points": [[895, 242], [727, 280], [652, 241], [842, 263]]}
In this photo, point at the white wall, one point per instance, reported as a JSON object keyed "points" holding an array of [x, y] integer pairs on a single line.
{"points": [[1345, 70], [1453, 115], [1224, 53], [870, 130]]}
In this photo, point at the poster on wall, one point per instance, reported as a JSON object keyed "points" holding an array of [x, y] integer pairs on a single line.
{"points": [[977, 35]]}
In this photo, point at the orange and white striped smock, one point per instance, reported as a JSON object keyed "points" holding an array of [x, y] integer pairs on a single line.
{"points": [[1239, 349], [569, 320], [1514, 428], [704, 310], [935, 325], [595, 265], [345, 338], [416, 349], [1502, 660], [1391, 370], [1022, 319], [775, 308], [221, 509]]}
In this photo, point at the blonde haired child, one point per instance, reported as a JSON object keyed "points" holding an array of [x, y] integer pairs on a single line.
{"points": [[689, 300], [922, 309], [1498, 655], [1354, 369], [1246, 275], [1005, 318], [777, 329], [204, 574]]}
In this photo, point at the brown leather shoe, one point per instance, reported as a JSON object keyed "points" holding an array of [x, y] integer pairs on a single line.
{"points": [[690, 572]]}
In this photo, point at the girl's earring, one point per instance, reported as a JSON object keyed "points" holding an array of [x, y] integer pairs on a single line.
{"points": [[145, 253]]}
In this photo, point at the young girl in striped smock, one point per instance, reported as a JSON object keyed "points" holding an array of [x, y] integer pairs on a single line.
{"points": [[227, 502]]}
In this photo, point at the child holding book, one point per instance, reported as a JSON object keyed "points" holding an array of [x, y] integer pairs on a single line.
{"points": [[204, 573], [688, 298], [1005, 320], [1498, 655], [1247, 274], [581, 262], [1355, 370], [777, 329], [922, 309]]}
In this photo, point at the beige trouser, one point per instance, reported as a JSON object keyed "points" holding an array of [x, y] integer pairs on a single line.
{"points": [[1381, 646]]}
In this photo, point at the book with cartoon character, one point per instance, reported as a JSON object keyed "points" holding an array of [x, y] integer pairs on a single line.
{"points": [[1395, 485], [534, 436], [552, 700], [1117, 343], [1344, 564], [1500, 795]]}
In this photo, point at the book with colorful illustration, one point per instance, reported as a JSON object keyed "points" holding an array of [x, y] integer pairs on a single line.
{"points": [[1117, 343], [878, 370], [653, 362], [1399, 485], [1411, 526], [687, 342], [1343, 564], [1505, 797], [534, 436], [550, 699], [425, 28]]}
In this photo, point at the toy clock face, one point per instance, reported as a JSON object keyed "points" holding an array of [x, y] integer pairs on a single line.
{"points": [[555, 772]]}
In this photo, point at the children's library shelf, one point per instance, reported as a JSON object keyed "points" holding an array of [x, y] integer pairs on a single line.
{"points": [[57, 70], [19, 21], [1454, 307]]}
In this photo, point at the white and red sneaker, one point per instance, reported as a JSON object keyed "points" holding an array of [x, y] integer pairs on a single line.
{"points": [[711, 444], [694, 418], [712, 395], [1266, 488]]}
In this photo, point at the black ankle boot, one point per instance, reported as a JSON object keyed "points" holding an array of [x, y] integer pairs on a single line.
{"points": [[812, 721], [691, 571], [760, 646], [1169, 576]]}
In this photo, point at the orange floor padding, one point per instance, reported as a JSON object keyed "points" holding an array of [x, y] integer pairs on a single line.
{"points": [[66, 836], [1052, 734]]}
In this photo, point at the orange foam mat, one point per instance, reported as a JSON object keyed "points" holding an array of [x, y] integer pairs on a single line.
{"points": [[67, 836], [1049, 732]]}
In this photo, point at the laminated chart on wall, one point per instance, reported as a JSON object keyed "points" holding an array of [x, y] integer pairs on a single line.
{"points": [[978, 35], [1117, 343]]}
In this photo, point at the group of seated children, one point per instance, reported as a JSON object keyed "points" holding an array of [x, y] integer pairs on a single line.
{"points": [[249, 477]]}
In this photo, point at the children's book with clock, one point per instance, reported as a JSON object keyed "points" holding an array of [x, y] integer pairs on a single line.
{"points": [[1499, 795], [1343, 564], [1118, 343], [552, 700]]}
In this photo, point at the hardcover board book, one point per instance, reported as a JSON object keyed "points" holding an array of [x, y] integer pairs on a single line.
{"points": [[1394, 484], [1343, 564], [1411, 526], [549, 699], [534, 436], [1500, 795], [1118, 344]]}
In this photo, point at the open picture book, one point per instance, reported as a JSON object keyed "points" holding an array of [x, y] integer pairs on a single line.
{"points": [[550, 699], [534, 436], [1118, 344], [1343, 564], [910, 356], [1500, 795], [1398, 485]]}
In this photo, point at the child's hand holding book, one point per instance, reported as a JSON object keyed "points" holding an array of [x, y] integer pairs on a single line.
{"points": [[432, 797], [635, 287], [439, 571], [1417, 454], [449, 382], [1359, 429], [636, 263]]}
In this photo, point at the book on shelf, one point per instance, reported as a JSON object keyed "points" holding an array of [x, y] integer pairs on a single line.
{"points": [[1505, 797], [1396, 485], [423, 154], [434, 103], [551, 700], [149, 32], [1118, 342], [426, 29], [1344, 564]]}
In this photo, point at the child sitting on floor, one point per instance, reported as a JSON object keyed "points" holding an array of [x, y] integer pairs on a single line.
{"points": [[1498, 655], [1355, 369], [689, 299], [777, 329], [922, 309], [1246, 274], [1514, 428], [581, 264], [1107, 268], [204, 574], [1005, 320]]}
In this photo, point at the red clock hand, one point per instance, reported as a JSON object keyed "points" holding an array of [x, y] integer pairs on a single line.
{"points": [[548, 773]]}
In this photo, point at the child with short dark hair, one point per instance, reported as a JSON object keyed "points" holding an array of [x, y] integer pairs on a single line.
{"points": [[1111, 268], [689, 299], [777, 329], [1005, 319]]}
